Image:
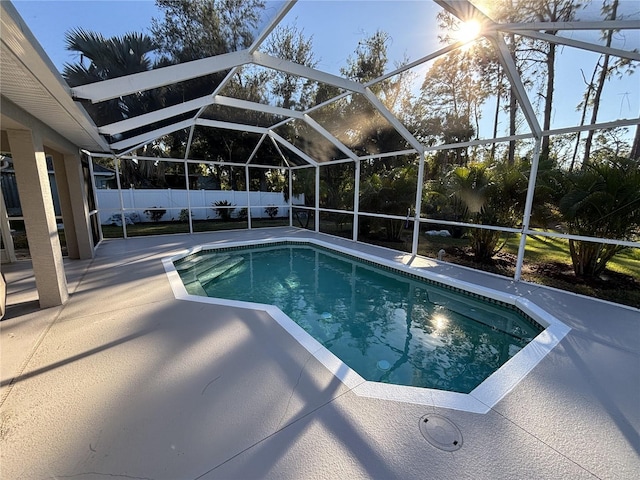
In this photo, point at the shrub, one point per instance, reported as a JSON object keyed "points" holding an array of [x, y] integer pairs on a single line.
{"points": [[222, 208], [184, 215], [272, 211], [155, 213], [242, 214], [602, 200], [489, 195]]}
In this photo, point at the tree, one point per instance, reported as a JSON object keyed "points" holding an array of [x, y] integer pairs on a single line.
{"points": [[392, 192], [604, 71], [291, 91], [362, 127], [194, 29], [602, 200], [553, 11], [105, 58], [493, 195]]}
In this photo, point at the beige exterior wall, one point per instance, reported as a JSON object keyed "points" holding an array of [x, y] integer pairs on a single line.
{"points": [[75, 212]]}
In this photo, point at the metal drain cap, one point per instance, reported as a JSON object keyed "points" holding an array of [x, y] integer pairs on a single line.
{"points": [[441, 432]]}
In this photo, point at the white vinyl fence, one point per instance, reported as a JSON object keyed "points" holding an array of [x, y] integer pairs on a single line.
{"points": [[136, 201]]}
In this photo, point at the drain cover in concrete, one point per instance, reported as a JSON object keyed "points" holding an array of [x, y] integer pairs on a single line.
{"points": [[441, 432]]}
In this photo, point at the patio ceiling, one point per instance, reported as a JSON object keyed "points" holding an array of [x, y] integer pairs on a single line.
{"points": [[29, 80], [224, 111]]}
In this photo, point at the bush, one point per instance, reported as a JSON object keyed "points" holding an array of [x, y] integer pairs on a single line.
{"points": [[184, 215], [601, 200], [272, 211], [243, 213], [222, 208], [130, 218], [155, 213]]}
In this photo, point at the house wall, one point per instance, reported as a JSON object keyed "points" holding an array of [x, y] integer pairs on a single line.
{"points": [[26, 139]]}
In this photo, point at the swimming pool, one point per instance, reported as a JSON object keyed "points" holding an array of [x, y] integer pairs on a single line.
{"points": [[401, 334]]}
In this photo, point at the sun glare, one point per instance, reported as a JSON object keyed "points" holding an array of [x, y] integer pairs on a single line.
{"points": [[468, 31]]}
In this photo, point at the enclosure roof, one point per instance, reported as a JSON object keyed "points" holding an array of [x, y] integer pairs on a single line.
{"points": [[308, 133]]}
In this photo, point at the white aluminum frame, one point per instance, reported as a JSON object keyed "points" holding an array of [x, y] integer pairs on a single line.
{"points": [[492, 31]]}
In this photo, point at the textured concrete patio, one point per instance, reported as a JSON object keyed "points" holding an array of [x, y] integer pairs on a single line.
{"points": [[125, 381]]}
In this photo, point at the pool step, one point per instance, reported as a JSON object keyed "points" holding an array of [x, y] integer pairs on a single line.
{"points": [[199, 265], [486, 313], [195, 288], [194, 260], [216, 271]]}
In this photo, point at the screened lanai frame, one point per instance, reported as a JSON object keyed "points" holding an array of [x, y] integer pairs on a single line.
{"points": [[230, 63]]}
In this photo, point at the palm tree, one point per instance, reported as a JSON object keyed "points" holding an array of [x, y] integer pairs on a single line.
{"points": [[392, 192], [492, 195], [105, 58], [603, 201]]}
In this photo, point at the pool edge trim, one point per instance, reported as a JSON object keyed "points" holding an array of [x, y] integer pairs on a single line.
{"points": [[480, 400]]}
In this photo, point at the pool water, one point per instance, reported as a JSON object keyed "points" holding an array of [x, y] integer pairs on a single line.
{"points": [[384, 324]]}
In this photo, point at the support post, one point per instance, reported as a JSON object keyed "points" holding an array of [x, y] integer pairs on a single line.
{"points": [[416, 216], [528, 205], [356, 202], [32, 177], [317, 206]]}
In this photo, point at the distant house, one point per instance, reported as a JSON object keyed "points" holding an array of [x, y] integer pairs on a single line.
{"points": [[104, 178]]}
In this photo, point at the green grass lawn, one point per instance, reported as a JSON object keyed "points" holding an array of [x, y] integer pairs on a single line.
{"points": [[541, 249], [168, 228], [547, 261]]}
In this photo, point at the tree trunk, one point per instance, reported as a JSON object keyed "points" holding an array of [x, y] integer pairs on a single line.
{"points": [[635, 147], [585, 107], [495, 117], [604, 73], [548, 101], [590, 259], [513, 107]]}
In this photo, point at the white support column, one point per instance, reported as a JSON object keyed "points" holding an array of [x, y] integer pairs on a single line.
{"points": [[317, 206], [356, 202], [92, 179], [79, 206], [32, 177], [290, 196], [119, 184], [188, 187], [418, 209], [65, 203], [528, 205], [248, 187]]}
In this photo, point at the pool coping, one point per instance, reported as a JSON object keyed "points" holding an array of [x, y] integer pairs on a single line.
{"points": [[480, 400]]}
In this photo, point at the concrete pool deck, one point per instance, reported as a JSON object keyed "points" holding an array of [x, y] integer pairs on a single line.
{"points": [[125, 381]]}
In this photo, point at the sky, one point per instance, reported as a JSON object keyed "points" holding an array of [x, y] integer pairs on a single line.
{"points": [[336, 28], [49, 20]]}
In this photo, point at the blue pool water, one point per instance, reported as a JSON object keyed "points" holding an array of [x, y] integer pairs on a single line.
{"points": [[387, 326]]}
